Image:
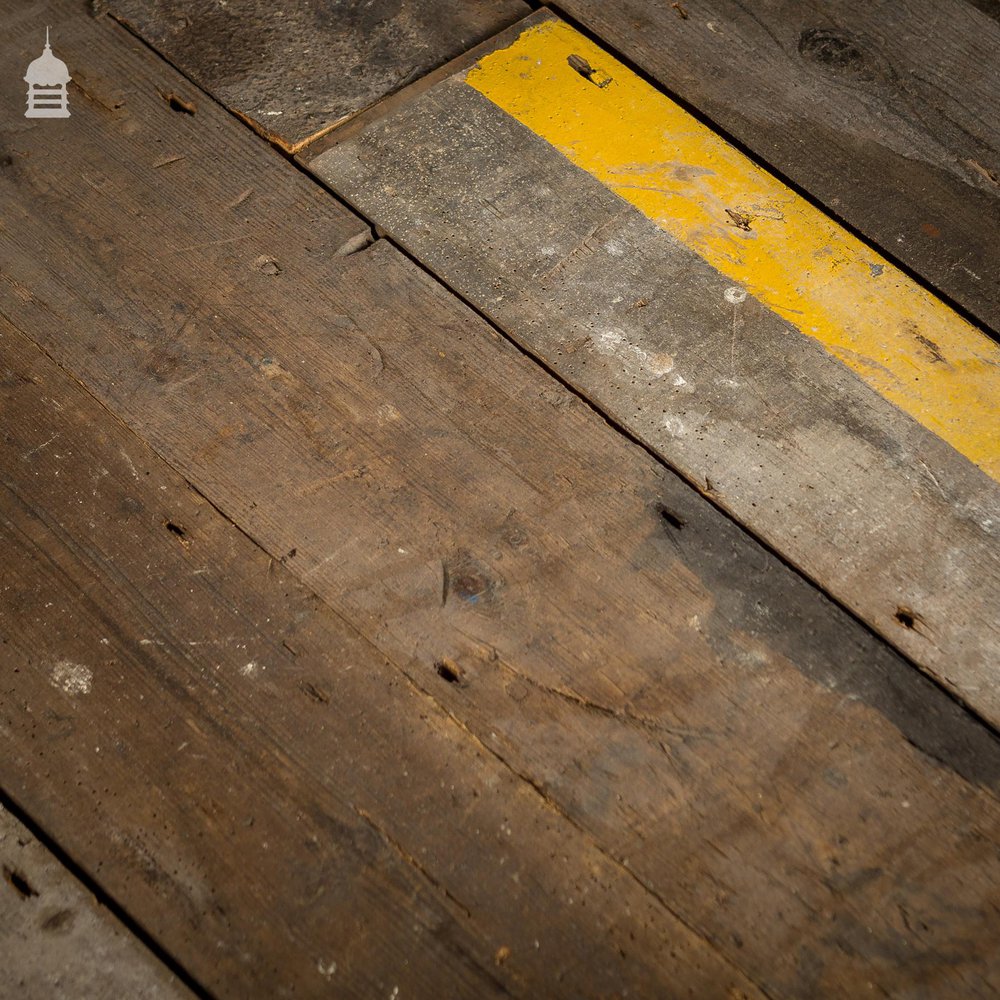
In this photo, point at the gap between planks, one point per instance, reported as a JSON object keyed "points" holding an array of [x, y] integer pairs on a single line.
{"points": [[133, 927], [350, 172], [313, 146], [337, 133], [262, 546]]}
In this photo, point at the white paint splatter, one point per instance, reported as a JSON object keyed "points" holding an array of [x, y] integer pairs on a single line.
{"points": [[673, 425], [386, 414], [251, 669], [735, 295], [129, 463], [73, 678], [326, 969], [636, 360]]}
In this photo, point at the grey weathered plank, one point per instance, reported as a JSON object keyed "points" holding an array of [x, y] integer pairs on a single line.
{"points": [[252, 780], [866, 501], [781, 781], [297, 71], [886, 112], [57, 942]]}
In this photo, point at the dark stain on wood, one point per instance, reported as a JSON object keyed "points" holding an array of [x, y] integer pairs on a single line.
{"points": [[771, 418], [932, 348], [295, 74]]}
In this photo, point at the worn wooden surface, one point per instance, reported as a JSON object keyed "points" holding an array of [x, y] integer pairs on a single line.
{"points": [[57, 942], [886, 112], [308, 822], [762, 417], [894, 133], [675, 729], [295, 72], [991, 7]]}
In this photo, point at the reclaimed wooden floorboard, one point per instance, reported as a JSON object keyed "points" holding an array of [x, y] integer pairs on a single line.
{"points": [[887, 112], [990, 7], [831, 405], [57, 942], [711, 737], [296, 72], [282, 810]]}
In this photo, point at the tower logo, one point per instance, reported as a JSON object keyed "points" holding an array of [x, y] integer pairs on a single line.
{"points": [[47, 78]]}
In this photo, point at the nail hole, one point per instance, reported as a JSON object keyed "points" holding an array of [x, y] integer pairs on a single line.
{"points": [[741, 220], [178, 104], [19, 883], [909, 619], [594, 76], [314, 692], [175, 529], [448, 671], [674, 520]]}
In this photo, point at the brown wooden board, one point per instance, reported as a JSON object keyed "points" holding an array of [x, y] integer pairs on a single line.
{"points": [[872, 505], [888, 113], [57, 942], [676, 712], [296, 70], [991, 7], [276, 803]]}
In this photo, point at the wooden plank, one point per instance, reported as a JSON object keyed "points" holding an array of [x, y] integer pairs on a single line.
{"points": [[294, 74], [899, 339], [882, 111], [793, 376], [773, 775], [57, 942], [991, 7], [307, 821]]}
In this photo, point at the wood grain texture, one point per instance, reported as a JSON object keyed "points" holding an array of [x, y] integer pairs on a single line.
{"points": [[866, 501], [57, 941], [990, 7], [701, 729], [296, 72], [307, 821], [771, 244], [883, 111]]}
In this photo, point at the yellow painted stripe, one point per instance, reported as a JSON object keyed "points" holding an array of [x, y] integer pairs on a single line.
{"points": [[901, 340]]}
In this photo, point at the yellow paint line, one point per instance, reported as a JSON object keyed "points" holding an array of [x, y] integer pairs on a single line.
{"points": [[899, 339]]}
